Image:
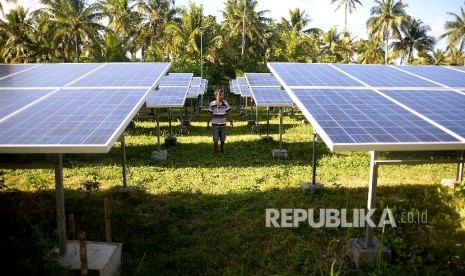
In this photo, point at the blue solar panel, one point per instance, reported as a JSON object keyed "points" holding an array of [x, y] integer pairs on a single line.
{"points": [[196, 82], [363, 119], [447, 108], [176, 79], [271, 97], [262, 80], [244, 91], [204, 84], [10, 69], [461, 68], [49, 75], [383, 76], [129, 74], [167, 97], [71, 121], [14, 100], [303, 74], [194, 92], [442, 75], [242, 81]]}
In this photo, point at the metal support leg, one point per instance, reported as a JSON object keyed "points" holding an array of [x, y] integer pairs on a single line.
{"points": [[280, 128], [60, 200], [169, 120], [256, 114], [267, 121], [158, 129], [460, 168], [372, 196], [314, 159], [123, 159]]}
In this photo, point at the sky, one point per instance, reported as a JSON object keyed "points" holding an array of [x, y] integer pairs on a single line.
{"points": [[323, 15]]}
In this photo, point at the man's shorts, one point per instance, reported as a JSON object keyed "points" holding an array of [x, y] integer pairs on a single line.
{"points": [[219, 133]]}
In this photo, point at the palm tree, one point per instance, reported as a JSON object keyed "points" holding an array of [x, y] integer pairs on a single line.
{"points": [[455, 57], [439, 57], [6, 1], [16, 33], [75, 22], [387, 16], [370, 51], [415, 37], [455, 30], [241, 17], [350, 5], [298, 19]]}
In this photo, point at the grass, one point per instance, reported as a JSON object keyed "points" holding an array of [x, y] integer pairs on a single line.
{"points": [[194, 214]]}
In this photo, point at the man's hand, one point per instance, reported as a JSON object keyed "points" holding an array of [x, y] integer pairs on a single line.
{"points": [[208, 125], [231, 123]]}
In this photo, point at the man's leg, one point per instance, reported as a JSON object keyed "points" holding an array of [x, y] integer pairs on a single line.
{"points": [[222, 137], [216, 138], [215, 148]]}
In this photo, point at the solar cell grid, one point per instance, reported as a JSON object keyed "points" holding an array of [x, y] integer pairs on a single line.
{"points": [[68, 121], [176, 79], [10, 69], [49, 75], [196, 82], [443, 107], [167, 97], [300, 75], [271, 97], [383, 76], [442, 75], [262, 79], [13, 100], [355, 119]]}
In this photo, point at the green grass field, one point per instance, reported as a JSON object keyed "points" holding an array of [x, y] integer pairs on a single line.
{"points": [[194, 214]]}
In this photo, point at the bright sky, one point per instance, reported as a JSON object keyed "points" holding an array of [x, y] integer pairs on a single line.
{"points": [[323, 15]]}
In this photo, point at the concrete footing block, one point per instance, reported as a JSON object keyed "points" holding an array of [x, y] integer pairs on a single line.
{"points": [[309, 186], [267, 139], [160, 155], [186, 123], [305, 121], [251, 122], [182, 129], [280, 153], [364, 256], [256, 128], [103, 259], [451, 183]]}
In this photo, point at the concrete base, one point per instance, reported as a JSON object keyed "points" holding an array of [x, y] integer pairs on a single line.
{"points": [[308, 186], [363, 256], [267, 139], [182, 129], [305, 121], [160, 155], [102, 258], [251, 122], [256, 128], [186, 123], [451, 183], [280, 153]]}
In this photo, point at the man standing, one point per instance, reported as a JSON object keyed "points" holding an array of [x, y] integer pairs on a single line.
{"points": [[218, 111]]}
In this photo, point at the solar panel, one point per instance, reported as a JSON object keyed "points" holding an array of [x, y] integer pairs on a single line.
{"points": [[10, 69], [383, 76], [204, 84], [242, 81], [13, 100], [261, 80], [167, 97], [302, 75], [271, 97], [365, 120], [194, 92], [50, 75], [123, 75], [71, 121], [460, 68], [244, 91], [439, 74], [447, 108], [176, 79], [196, 82]]}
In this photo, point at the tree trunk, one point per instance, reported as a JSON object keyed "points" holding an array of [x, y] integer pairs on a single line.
{"points": [[243, 28], [345, 22], [386, 51], [77, 48]]}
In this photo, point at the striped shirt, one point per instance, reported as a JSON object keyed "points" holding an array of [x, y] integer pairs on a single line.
{"points": [[218, 112]]}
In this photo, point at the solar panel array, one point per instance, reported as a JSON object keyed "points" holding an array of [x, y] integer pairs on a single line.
{"points": [[377, 107], [240, 86], [172, 91], [198, 87], [267, 91], [71, 108]]}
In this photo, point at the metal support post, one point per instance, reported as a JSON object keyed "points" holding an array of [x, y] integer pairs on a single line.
{"points": [[280, 128], [60, 201], [314, 159], [169, 120], [158, 129], [372, 196], [123, 159], [267, 121], [460, 168]]}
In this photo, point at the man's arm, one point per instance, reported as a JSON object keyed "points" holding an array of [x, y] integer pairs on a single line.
{"points": [[228, 116]]}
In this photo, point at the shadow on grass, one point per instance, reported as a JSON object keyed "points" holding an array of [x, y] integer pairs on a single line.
{"points": [[196, 233]]}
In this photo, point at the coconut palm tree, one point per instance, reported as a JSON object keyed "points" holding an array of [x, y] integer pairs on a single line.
{"points": [[75, 22], [387, 17], [350, 6], [439, 57], [370, 51], [16, 33], [455, 30], [455, 57], [414, 37], [6, 1], [298, 19]]}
